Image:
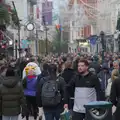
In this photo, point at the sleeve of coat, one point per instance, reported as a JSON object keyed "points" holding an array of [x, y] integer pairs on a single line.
{"points": [[67, 87], [62, 86], [38, 93], [22, 100]]}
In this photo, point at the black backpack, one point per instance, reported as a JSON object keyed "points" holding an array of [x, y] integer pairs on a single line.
{"points": [[51, 95]]}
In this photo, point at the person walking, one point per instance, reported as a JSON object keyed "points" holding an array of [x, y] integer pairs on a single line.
{"points": [[50, 94], [11, 97], [115, 97], [30, 86], [87, 88]]}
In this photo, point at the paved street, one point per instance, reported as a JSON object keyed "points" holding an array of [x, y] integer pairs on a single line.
{"points": [[31, 118]]}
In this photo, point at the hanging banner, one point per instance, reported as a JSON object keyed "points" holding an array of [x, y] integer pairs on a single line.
{"points": [[24, 44], [93, 39]]}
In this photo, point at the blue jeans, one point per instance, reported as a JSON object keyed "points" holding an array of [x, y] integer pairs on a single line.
{"points": [[52, 115], [9, 117]]}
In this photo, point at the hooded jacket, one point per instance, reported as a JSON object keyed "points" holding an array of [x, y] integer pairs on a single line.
{"points": [[11, 97], [104, 76], [86, 89]]}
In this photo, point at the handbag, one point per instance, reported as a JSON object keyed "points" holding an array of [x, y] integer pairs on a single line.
{"points": [[66, 115]]}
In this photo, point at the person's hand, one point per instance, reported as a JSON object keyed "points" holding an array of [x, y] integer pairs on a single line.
{"points": [[22, 116], [65, 106], [40, 118]]}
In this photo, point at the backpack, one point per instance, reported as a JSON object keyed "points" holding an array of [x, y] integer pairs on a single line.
{"points": [[51, 95]]}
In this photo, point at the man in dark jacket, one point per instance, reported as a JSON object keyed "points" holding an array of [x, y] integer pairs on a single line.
{"points": [[86, 89], [11, 96], [51, 111]]}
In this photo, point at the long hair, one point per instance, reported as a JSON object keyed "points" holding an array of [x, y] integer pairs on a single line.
{"points": [[115, 74], [52, 69]]}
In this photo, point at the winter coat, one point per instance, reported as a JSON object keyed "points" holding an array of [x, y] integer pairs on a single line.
{"points": [[30, 85], [115, 97], [67, 74], [11, 97]]}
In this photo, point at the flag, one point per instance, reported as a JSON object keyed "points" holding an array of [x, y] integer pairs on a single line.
{"points": [[93, 39]]}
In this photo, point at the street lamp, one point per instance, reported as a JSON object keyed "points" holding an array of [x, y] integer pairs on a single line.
{"points": [[30, 27], [102, 36], [46, 34]]}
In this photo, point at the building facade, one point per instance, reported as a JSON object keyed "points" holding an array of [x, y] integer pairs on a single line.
{"points": [[25, 13], [47, 7], [79, 31]]}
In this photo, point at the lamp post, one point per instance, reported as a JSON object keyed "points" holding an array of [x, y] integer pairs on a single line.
{"points": [[18, 21], [46, 35], [102, 36], [118, 42], [16, 44]]}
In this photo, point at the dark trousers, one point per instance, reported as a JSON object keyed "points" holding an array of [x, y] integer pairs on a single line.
{"points": [[0, 117], [78, 116], [51, 115], [31, 106], [116, 115]]}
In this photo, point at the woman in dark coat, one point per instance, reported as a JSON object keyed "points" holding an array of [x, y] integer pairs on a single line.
{"points": [[115, 97], [67, 74]]}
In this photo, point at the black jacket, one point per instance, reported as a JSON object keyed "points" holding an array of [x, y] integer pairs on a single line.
{"points": [[88, 81], [115, 92], [115, 97], [39, 91], [67, 74]]}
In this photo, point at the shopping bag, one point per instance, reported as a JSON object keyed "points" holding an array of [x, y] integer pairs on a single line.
{"points": [[66, 115]]}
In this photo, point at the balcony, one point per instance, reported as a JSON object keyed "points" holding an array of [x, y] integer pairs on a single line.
{"points": [[33, 2]]}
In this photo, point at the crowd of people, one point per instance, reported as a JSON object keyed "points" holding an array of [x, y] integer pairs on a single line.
{"points": [[55, 83]]}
